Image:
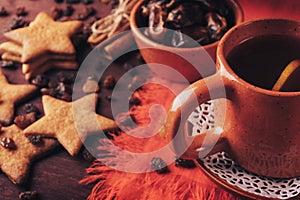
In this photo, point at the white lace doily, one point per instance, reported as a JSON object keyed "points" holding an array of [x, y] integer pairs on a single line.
{"points": [[227, 170]]}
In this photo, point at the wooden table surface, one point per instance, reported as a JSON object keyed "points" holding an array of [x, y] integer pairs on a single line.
{"points": [[56, 176]]}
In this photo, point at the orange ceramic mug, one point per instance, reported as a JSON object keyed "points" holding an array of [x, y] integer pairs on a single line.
{"points": [[259, 128]]}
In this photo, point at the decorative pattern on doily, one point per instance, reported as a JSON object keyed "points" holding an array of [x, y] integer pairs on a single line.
{"points": [[202, 119], [222, 166]]}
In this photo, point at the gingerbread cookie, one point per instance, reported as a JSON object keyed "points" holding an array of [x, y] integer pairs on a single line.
{"points": [[44, 35], [50, 64], [10, 56], [11, 47], [70, 122], [41, 60], [17, 153], [10, 95]]}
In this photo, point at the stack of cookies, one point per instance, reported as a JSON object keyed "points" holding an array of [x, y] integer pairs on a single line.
{"points": [[43, 45]]}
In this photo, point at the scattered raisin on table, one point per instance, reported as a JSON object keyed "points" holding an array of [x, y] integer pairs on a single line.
{"points": [[3, 11], [68, 11], [87, 155], [180, 162], [72, 1], [17, 22], [59, 1], [21, 11], [56, 13], [87, 12], [158, 165]]}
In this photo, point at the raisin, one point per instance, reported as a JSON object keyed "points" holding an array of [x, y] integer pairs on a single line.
{"points": [[18, 22], [66, 97], [52, 84], [90, 11], [87, 155], [35, 139], [81, 16], [158, 165], [87, 12], [8, 143], [7, 64], [68, 11], [86, 2], [29, 107], [56, 13], [180, 162], [63, 77], [21, 11], [22, 121], [59, 1], [63, 88], [3, 11], [40, 81], [28, 195], [49, 91], [109, 82], [72, 1]]}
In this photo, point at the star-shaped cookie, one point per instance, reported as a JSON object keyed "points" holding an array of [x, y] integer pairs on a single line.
{"points": [[44, 35], [70, 122], [15, 163], [11, 95]]}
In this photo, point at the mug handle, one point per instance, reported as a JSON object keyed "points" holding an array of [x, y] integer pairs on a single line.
{"points": [[183, 105]]}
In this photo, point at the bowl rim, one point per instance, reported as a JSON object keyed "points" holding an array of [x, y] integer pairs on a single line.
{"points": [[239, 18]]}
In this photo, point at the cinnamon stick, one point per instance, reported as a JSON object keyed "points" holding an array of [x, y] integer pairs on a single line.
{"points": [[120, 45]]}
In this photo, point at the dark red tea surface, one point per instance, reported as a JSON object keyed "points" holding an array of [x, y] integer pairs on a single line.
{"points": [[261, 60]]}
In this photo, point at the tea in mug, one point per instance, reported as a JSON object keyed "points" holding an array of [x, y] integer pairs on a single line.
{"points": [[261, 60]]}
